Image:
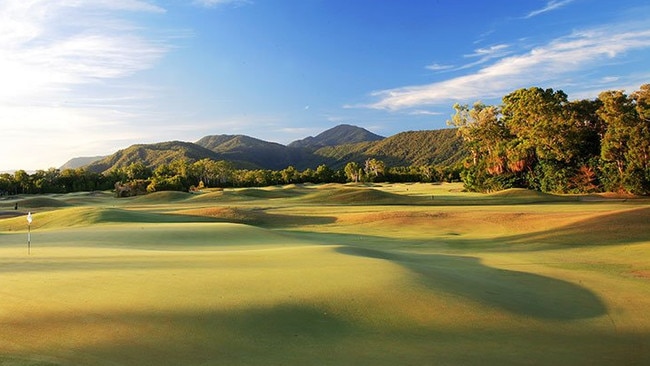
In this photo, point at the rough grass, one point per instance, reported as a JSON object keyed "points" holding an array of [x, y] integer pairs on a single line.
{"points": [[610, 228], [346, 196], [328, 275], [225, 214], [521, 193], [161, 197], [41, 202]]}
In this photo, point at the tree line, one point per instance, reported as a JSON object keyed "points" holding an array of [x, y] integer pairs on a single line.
{"points": [[182, 175], [537, 139]]}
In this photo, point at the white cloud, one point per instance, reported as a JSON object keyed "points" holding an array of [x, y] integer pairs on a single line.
{"points": [[422, 112], [42, 45], [550, 6], [610, 79], [486, 54], [215, 3], [64, 66], [547, 63], [629, 84], [489, 52], [129, 5], [438, 67]]}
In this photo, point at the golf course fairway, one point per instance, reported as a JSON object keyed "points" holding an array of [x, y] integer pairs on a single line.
{"points": [[395, 274]]}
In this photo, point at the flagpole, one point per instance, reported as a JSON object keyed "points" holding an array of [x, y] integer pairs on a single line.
{"points": [[29, 233]]}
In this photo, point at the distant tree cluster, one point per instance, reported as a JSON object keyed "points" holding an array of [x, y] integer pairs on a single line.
{"points": [[181, 175], [539, 140], [53, 181]]}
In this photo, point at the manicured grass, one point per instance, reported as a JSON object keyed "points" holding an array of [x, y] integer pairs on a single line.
{"points": [[328, 275]]}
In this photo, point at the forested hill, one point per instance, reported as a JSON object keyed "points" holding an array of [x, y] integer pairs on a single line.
{"points": [[436, 147], [339, 135], [246, 151], [152, 155], [79, 162]]}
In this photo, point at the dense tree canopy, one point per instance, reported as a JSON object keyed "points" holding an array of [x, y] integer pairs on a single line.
{"points": [[538, 139], [181, 175]]}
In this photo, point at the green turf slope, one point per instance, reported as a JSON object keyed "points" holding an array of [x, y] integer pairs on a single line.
{"points": [[509, 279]]}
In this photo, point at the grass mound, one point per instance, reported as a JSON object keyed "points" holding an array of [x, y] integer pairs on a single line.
{"points": [[39, 202], [246, 194], [621, 227], [224, 214], [209, 196], [86, 198], [255, 216], [357, 196], [394, 218], [86, 216], [293, 186], [162, 197], [268, 193], [522, 195]]}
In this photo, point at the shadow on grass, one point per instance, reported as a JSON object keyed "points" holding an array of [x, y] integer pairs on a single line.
{"points": [[257, 216], [520, 293], [276, 335], [302, 334]]}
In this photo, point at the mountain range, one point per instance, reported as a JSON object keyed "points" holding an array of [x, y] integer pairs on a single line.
{"points": [[334, 147]]}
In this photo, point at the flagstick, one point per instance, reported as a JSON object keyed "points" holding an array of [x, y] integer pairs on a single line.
{"points": [[29, 233]]}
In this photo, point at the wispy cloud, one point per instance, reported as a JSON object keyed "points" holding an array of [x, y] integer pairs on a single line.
{"points": [[486, 54], [422, 112], [215, 3], [56, 54], [481, 56], [489, 52], [47, 46], [550, 6], [438, 67], [547, 63]]}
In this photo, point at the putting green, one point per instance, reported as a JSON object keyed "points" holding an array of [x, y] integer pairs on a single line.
{"points": [[170, 281]]}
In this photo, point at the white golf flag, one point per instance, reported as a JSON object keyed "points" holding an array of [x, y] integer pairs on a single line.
{"points": [[29, 218]]}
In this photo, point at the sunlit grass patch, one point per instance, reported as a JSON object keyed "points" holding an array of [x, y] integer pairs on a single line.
{"points": [[327, 274]]}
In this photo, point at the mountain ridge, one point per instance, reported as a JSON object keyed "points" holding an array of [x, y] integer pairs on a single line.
{"points": [[334, 147], [339, 135]]}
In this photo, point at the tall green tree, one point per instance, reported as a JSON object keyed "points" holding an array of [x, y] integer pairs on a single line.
{"points": [[641, 150], [537, 118], [7, 184], [488, 140], [374, 168], [23, 181], [137, 170], [324, 174], [626, 143], [47, 181], [290, 175], [353, 172]]}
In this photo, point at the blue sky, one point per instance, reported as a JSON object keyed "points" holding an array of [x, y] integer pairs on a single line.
{"points": [[89, 77]]}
